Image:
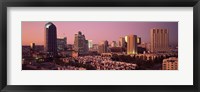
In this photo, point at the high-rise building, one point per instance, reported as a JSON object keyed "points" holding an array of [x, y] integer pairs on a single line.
{"points": [[80, 44], [61, 44], [50, 40], [159, 40], [103, 47], [122, 42], [113, 44], [138, 40], [132, 44], [86, 47], [32, 45], [170, 64], [126, 39], [95, 47], [90, 45]]}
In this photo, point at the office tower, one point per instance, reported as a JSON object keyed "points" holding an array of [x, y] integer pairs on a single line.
{"points": [[95, 47], [103, 47], [113, 44], [170, 64], [32, 45], [86, 47], [50, 40], [138, 40], [159, 40], [126, 39], [80, 44], [62, 44], [90, 45], [122, 42], [132, 44]]}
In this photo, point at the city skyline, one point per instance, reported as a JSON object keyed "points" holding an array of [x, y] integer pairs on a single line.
{"points": [[97, 31], [130, 54]]}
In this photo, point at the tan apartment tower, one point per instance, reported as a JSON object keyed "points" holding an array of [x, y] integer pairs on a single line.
{"points": [[131, 44], [159, 40]]}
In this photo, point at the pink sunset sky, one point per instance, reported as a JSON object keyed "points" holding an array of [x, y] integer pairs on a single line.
{"points": [[33, 32]]}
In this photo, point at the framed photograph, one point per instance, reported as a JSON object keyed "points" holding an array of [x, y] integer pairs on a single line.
{"points": [[129, 45]]}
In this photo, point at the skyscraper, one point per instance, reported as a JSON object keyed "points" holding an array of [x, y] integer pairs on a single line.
{"points": [[126, 39], [90, 45], [132, 44], [159, 40], [61, 44], [122, 42], [138, 40], [50, 40], [113, 44], [86, 47], [32, 45], [80, 43], [103, 47]]}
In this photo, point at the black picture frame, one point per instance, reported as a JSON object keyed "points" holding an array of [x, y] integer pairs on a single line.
{"points": [[98, 3]]}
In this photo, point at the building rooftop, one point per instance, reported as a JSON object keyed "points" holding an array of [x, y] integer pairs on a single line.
{"points": [[48, 24]]}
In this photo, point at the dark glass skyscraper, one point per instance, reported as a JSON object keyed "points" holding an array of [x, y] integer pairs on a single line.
{"points": [[50, 40]]}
